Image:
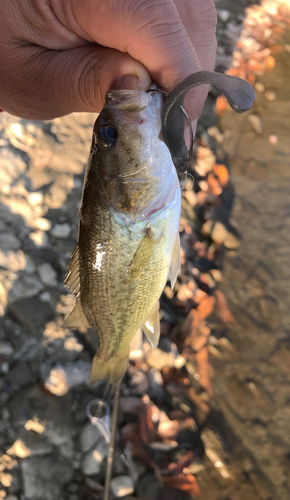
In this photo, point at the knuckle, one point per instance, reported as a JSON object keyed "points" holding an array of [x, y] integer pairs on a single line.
{"points": [[151, 14], [202, 13], [89, 86]]}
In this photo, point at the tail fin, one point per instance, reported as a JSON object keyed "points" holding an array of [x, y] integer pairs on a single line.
{"points": [[113, 369]]}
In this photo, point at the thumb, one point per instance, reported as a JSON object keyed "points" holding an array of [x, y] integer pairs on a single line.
{"points": [[50, 83]]}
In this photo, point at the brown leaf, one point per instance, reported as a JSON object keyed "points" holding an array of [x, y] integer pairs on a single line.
{"points": [[222, 173], [184, 482], [148, 429], [206, 306], [224, 310], [174, 469], [194, 330], [213, 184], [204, 369], [130, 432], [197, 399], [221, 105]]}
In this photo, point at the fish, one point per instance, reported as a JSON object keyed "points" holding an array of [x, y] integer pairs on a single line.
{"points": [[128, 240]]}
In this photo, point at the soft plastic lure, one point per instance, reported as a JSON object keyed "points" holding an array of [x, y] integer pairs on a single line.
{"points": [[239, 93]]}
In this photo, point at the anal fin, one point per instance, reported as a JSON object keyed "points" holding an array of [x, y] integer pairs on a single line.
{"points": [[175, 260], [77, 318], [151, 327]]}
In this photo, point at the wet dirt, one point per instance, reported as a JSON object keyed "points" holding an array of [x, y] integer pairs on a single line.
{"points": [[251, 405]]}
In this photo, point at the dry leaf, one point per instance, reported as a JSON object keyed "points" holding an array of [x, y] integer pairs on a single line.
{"points": [[204, 369], [184, 482], [270, 62], [221, 104], [197, 399], [213, 184], [206, 306], [224, 310], [222, 173]]}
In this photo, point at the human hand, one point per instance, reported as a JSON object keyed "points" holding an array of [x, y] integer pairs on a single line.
{"points": [[60, 56]]}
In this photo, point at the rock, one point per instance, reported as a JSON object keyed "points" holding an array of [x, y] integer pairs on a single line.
{"points": [[33, 442], [256, 123], [259, 87], [63, 377], [24, 287], [6, 348], [4, 367], [158, 359], [89, 436], [19, 375], [61, 230], [35, 404], [92, 461], [270, 95], [30, 267], [19, 449], [31, 312], [131, 405], [148, 487], [47, 274], [71, 344], [67, 449], [273, 139], [12, 166], [39, 238], [5, 479], [35, 198], [139, 382], [122, 485], [43, 224], [44, 477], [224, 15], [219, 234], [45, 297], [215, 451], [8, 241]]}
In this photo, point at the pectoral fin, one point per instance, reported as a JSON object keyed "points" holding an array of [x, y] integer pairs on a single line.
{"points": [[151, 327], [175, 261], [77, 318], [142, 255]]}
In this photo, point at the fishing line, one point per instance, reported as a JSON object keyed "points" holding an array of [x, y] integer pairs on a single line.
{"points": [[98, 412]]}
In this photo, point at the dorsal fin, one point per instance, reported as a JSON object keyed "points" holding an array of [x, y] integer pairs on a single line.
{"points": [[72, 277]]}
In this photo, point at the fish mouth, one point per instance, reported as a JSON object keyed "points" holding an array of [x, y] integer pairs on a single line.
{"points": [[133, 101]]}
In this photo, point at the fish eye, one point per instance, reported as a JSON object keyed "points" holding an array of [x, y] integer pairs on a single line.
{"points": [[108, 135]]}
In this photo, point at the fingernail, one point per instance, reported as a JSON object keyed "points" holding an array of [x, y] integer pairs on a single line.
{"points": [[128, 82]]}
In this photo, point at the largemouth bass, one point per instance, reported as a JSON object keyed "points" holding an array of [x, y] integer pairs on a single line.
{"points": [[128, 243]]}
